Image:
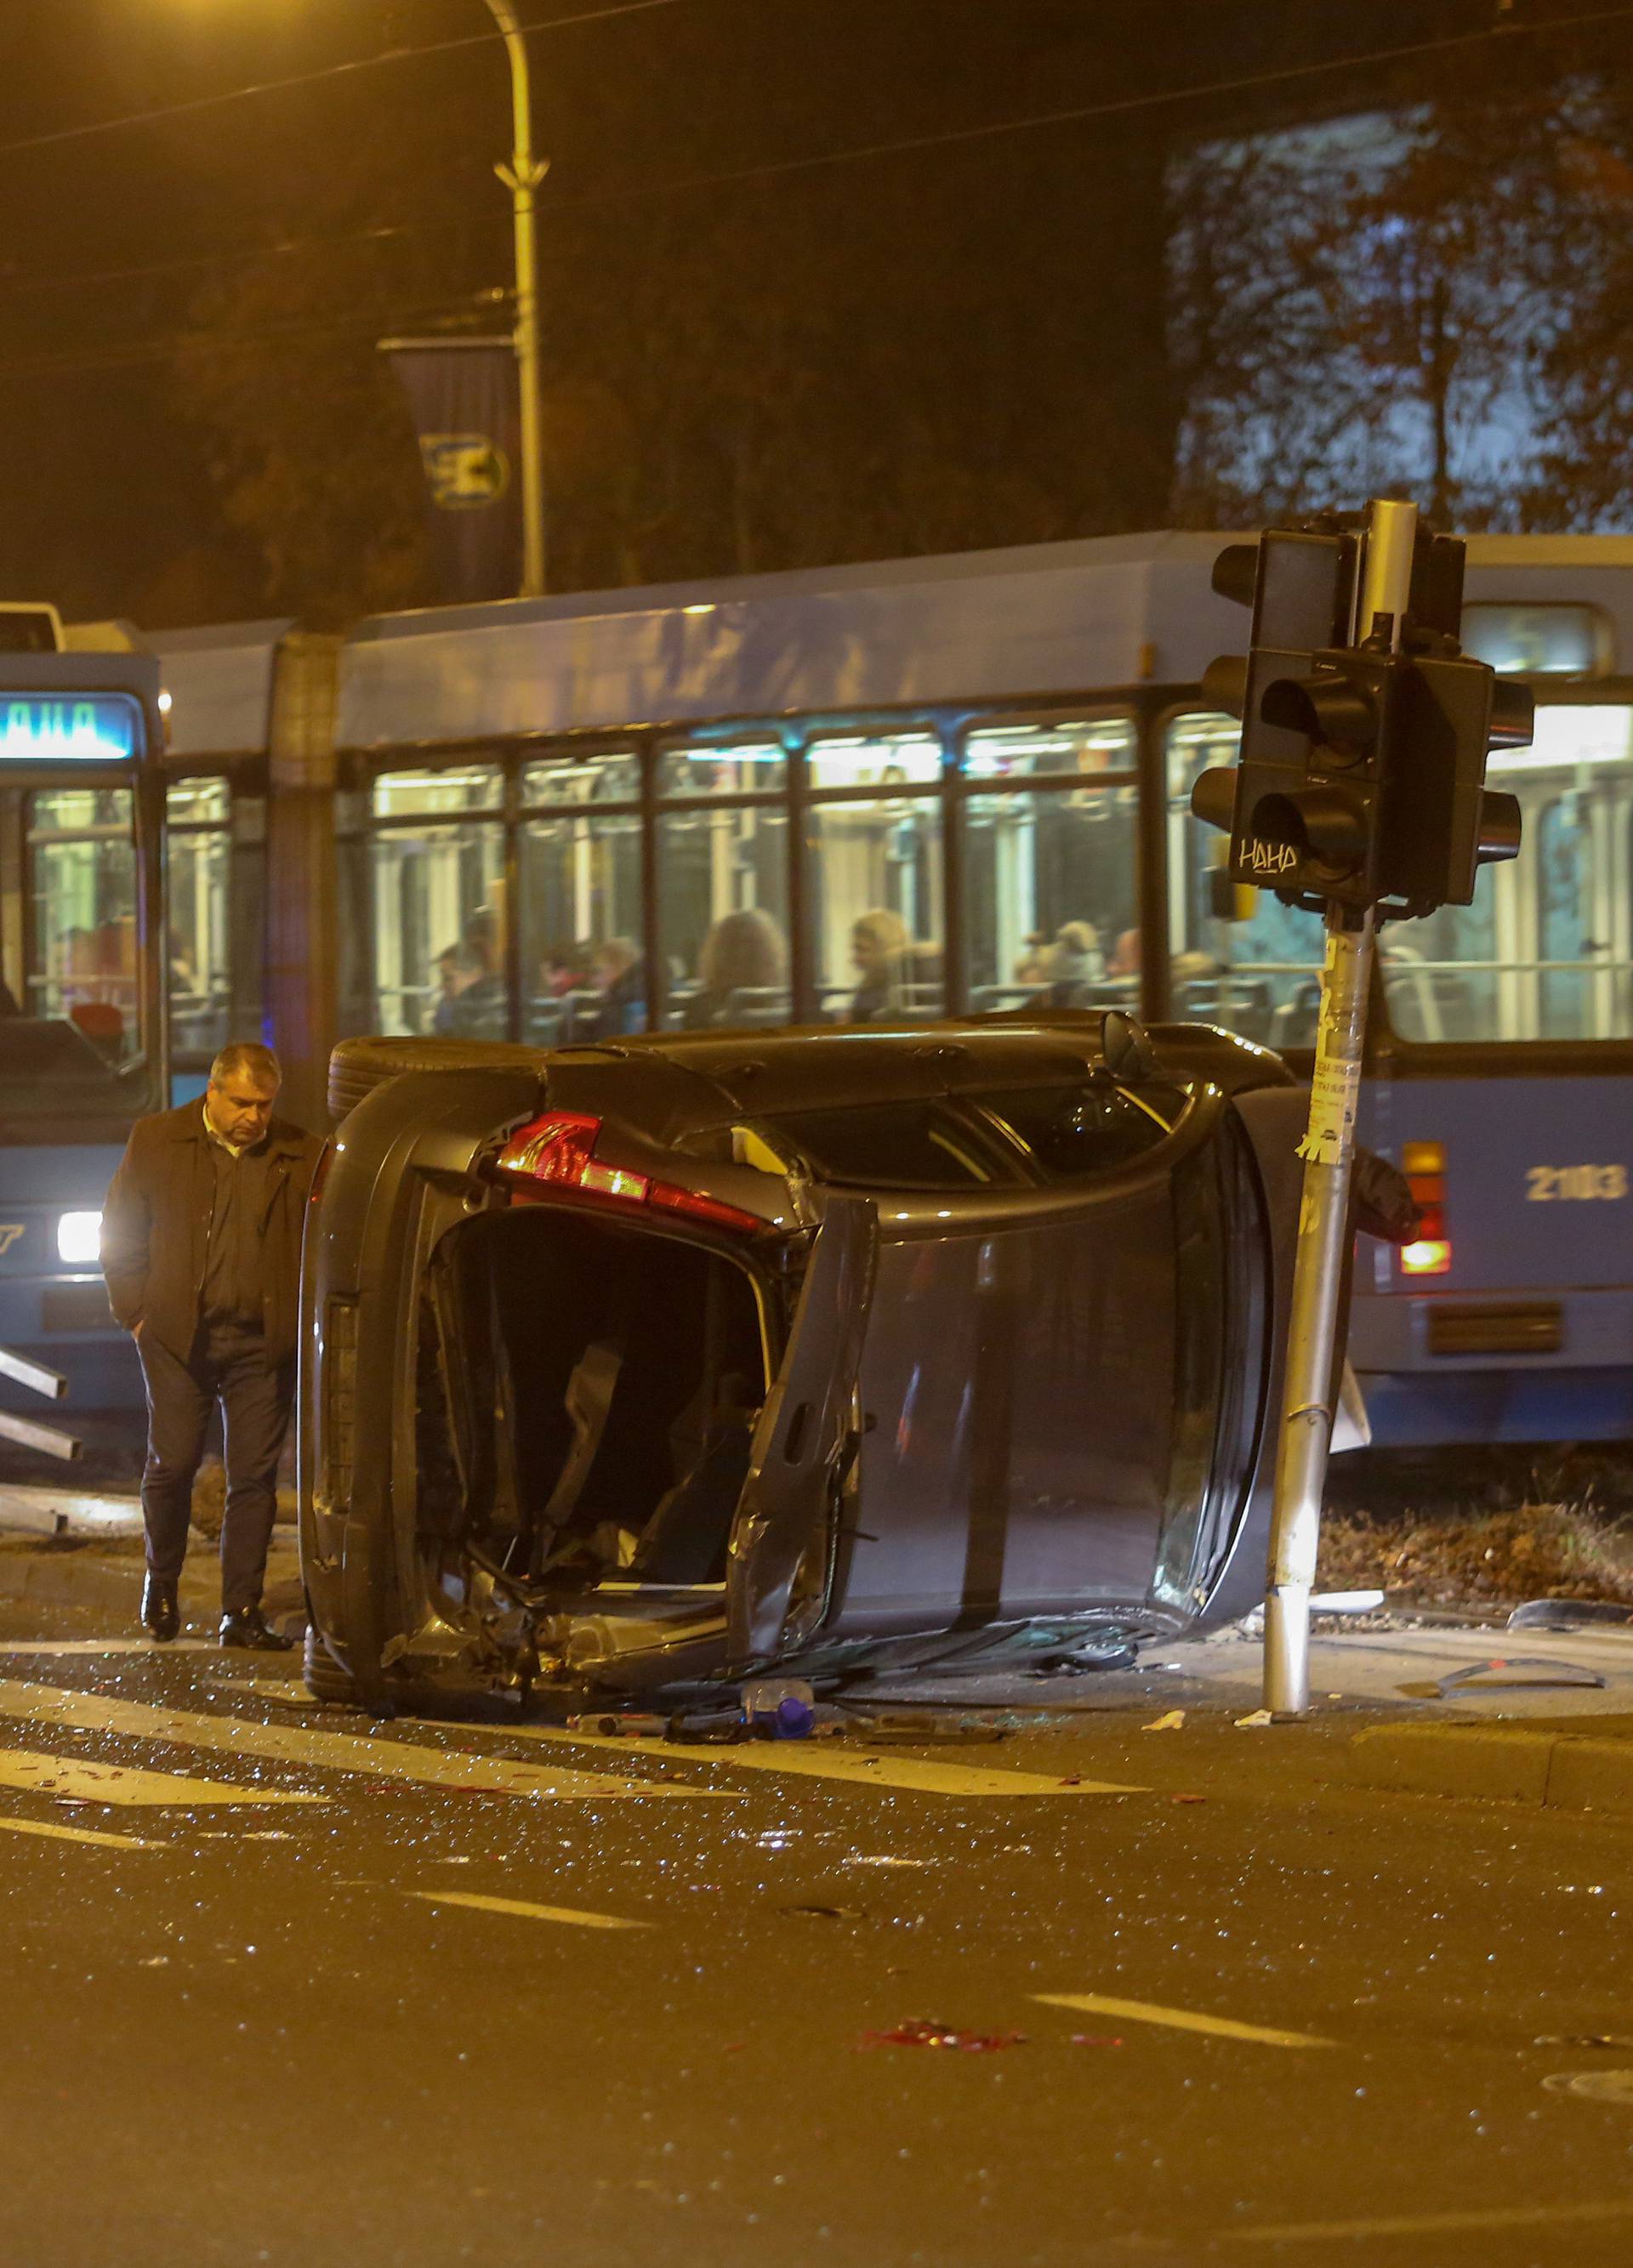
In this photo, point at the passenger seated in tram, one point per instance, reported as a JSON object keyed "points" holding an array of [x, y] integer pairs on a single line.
{"points": [[619, 975], [744, 953], [879, 948]]}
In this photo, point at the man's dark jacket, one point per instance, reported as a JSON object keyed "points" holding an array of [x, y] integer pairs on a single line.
{"points": [[156, 1227]]}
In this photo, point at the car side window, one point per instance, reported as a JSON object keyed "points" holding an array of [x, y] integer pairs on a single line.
{"points": [[893, 1145], [1071, 1133]]}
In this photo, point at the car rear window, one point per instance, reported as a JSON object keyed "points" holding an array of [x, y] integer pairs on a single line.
{"points": [[1073, 1132], [914, 1144]]}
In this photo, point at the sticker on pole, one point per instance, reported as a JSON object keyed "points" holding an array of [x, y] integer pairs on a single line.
{"points": [[1335, 1084]]}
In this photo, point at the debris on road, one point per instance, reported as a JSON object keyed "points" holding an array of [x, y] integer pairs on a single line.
{"points": [[1255, 1717], [919, 2032], [1171, 1721], [1499, 1670]]}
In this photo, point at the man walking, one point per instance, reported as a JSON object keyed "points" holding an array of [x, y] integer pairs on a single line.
{"points": [[201, 1247]]}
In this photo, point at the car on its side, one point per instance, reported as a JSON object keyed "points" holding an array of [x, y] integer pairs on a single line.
{"points": [[656, 1363]]}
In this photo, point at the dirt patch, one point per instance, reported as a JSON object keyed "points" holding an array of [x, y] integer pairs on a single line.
{"points": [[1540, 1551]]}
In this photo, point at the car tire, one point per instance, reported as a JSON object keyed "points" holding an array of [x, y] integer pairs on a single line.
{"points": [[357, 1067], [325, 1679]]}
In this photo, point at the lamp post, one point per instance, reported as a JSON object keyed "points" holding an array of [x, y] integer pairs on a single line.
{"points": [[521, 177]]}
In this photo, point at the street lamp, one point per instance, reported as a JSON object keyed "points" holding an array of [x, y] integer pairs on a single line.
{"points": [[521, 177]]}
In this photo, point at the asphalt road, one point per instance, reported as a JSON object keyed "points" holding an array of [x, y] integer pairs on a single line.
{"points": [[243, 2028]]}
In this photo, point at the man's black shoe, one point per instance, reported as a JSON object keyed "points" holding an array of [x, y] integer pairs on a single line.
{"points": [[248, 1627], [160, 1614]]}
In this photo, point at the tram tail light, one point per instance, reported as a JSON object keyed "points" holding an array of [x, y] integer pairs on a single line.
{"points": [[560, 1151], [1430, 1252]]}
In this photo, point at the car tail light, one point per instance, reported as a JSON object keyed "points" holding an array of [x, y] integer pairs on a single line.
{"points": [[560, 1149], [1430, 1252]]}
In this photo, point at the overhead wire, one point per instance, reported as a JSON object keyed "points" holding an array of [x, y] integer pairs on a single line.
{"points": [[192, 104], [1505, 29]]}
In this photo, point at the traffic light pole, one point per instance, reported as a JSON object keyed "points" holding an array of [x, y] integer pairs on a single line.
{"points": [[1311, 1383]]}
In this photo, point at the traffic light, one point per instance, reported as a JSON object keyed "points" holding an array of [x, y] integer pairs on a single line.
{"points": [[1362, 763]]}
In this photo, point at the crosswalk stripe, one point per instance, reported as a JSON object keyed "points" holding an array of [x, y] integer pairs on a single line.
{"points": [[826, 1760], [527, 1911], [89, 1783], [307, 1746], [80, 1834], [1180, 2019]]}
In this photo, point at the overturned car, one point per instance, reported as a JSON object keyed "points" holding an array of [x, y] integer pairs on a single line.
{"points": [[652, 1364]]}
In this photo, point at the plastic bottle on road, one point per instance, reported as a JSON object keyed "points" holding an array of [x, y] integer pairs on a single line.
{"points": [[781, 1708]]}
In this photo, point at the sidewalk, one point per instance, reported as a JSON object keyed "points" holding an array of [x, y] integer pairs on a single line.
{"points": [[60, 1546]]}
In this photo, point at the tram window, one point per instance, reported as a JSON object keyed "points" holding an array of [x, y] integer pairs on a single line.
{"points": [[1088, 746], [874, 760], [584, 970], [197, 813], [439, 930], [1545, 951], [602, 777], [204, 802], [1051, 900], [82, 897], [1261, 978], [723, 891], [873, 888], [741, 768], [456, 787]]}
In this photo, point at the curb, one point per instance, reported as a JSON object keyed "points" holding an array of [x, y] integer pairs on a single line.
{"points": [[1556, 1771]]}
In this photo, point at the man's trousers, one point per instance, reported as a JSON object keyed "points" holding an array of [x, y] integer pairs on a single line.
{"points": [[231, 1367]]}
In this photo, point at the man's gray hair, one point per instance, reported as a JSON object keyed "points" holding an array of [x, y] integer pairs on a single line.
{"points": [[256, 1062]]}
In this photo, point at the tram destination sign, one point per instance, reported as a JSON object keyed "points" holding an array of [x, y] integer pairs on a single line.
{"points": [[54, 728]]}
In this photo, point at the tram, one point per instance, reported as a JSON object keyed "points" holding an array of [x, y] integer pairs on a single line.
{"points": [[888, 792]]}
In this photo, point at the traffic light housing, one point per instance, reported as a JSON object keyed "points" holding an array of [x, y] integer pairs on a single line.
{"points": [[1362, 765]]}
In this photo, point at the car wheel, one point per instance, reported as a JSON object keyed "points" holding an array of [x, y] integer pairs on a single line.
{"points": [[357, 1067], [325, 1679]]}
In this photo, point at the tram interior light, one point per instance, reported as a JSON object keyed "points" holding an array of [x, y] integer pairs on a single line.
{"points": [[79, 1239]]}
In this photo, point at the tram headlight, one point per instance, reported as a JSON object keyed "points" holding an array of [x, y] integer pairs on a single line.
{"points": [[79, 1239]]}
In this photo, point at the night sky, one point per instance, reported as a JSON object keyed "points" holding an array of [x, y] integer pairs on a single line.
{"points": [[1001, 295]]}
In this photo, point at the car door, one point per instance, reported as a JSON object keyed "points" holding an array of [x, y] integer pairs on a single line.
{"points": [[804, 1443]]}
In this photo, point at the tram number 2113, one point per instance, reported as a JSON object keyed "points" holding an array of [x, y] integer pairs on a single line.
{"points": [[1547, 1182]]}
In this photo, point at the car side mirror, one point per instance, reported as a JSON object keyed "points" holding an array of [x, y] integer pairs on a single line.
{"points": [[1126, 1047]]}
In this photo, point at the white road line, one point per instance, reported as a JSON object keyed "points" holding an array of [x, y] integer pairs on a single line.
{"points": [[815, 1760], [89, 1783], [306, 1746], [1429, 2224], [80, 1834], [527, 1911], [94, 1646], [827, 1760], [1180, 2019]]}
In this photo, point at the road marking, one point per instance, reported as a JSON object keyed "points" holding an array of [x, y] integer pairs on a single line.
{"points": [[306, 1746], [80, 1834], [1519, 2216], [1180, 2019], [527, 1911], [825, 1760], [815, 1760], [93, 1645], [89, 1783]]}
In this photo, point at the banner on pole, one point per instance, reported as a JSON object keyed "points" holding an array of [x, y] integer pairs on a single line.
{"points": [[463, 397]]}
